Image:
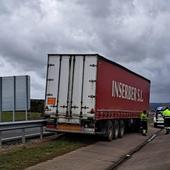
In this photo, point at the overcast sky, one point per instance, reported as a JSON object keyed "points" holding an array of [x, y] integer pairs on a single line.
{"points": [[134, 33]]}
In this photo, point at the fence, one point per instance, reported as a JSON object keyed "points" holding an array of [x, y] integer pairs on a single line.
{"points": [[9, 126]]}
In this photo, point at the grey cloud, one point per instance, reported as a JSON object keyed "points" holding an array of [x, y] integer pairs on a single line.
{"points": [[96, 8], [9, 6], [133, 33]]}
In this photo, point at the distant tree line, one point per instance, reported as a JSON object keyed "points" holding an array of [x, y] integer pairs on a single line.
{"points": [[37, 105]]}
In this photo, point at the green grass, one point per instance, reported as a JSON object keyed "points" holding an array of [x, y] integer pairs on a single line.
{"points": [[26, 156], [7, 116]]}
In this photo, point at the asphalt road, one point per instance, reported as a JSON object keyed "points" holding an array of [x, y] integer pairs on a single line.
{"points": [[153, 156]]}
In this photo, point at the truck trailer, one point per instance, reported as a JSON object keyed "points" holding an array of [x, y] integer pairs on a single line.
{"points": [[89, 94]]}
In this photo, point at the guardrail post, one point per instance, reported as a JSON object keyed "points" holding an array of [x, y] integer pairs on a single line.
{"points": [[41, 132], [0, 139], [23, 135]]}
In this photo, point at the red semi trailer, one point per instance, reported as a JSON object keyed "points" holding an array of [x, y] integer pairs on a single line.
{"points": [[87, 93]]}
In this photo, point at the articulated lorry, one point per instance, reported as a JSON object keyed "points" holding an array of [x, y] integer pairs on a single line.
{"points": [[89, 94]]}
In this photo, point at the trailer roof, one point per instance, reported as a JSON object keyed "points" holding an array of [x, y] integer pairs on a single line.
{"points": [[103, 58]]}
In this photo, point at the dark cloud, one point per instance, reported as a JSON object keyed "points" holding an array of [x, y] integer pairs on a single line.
{"points": [[132, 32]]}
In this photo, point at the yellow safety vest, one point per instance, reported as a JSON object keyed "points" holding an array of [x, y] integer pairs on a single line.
{"points": [[166, 112], [143, 117]]}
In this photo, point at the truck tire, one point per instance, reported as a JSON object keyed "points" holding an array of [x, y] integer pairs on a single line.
{"points": [[109, 130], [115, 129], [121, 129], [155, 125]]}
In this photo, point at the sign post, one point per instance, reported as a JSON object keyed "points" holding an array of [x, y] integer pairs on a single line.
{"points": [[0, 99]]}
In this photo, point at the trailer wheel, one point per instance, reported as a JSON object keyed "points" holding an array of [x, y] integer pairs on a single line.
{"points": [[115, 129], [155, 125], [121, 128], [109, 130]]}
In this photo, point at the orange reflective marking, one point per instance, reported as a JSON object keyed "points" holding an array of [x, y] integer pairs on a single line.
{"points": [[51, 101]]}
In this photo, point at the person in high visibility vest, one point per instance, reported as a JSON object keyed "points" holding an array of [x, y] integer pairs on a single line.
{"points": [[144, 122], [166, 115]]}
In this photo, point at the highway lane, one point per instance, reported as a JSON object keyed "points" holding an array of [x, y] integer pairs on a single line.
{"points": [[153, 156]]}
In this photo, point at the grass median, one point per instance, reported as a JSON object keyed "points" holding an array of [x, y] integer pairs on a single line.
{"points": [[31, 154], [19, 116]]}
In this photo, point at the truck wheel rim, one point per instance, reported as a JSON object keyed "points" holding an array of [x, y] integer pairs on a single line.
{"points": [[110, 133], [122, 131], [116, 132]]}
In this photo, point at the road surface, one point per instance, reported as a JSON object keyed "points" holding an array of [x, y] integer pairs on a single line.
{"points": [[153, 156], [99, 156]]}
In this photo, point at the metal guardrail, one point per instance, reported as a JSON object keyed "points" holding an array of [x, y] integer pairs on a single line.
{"points": [[8, 126]]}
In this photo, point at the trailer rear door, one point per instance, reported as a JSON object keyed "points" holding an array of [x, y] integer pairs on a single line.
{"points": [[71, 85]]}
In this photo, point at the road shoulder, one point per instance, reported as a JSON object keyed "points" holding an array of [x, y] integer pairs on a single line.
{"points": [[99, 156]]}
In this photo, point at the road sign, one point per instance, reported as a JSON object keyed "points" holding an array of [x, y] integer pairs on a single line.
{"points": [[14, 94]]}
